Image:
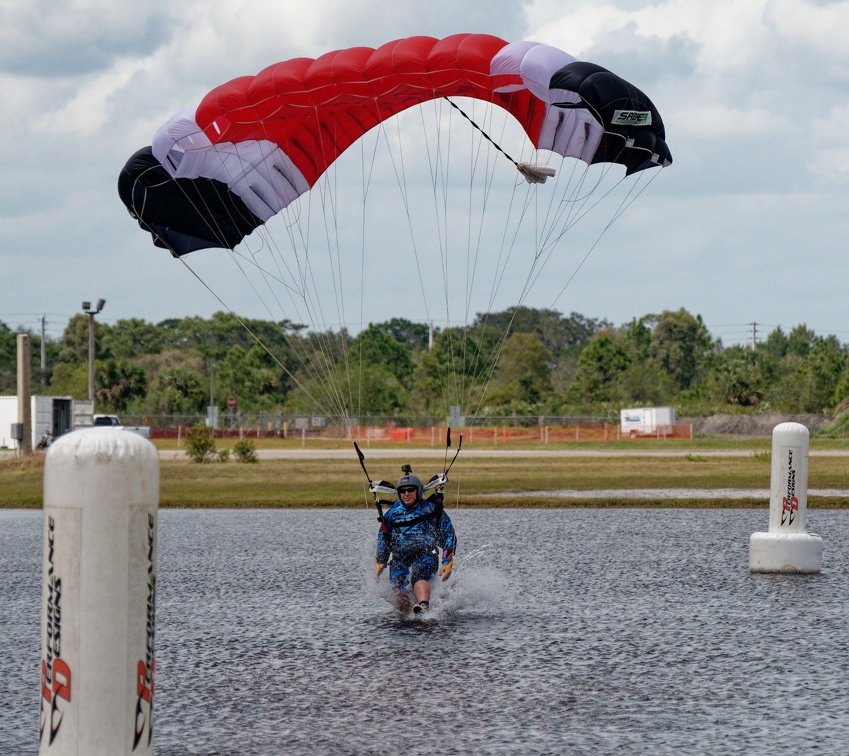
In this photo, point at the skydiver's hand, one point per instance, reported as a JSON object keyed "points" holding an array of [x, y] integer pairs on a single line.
{"points": [[446, 567], [378, 568]]}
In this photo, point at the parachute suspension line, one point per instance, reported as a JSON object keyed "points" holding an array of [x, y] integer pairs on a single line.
{"points": [[469, 371], [579, 205], [323, 363], [495, 355], [442, 168], [625, 203], [233, 256], [532, 275], [401, 180], [459, 359], [259, 341], [434, 173], [488, 369], [328, 197], [457, 367], [532, 174], [472, 259], [622, 207], [320, 362], [604, 230], [489, 174], [265, 275], [366, 184], [439, 175]]}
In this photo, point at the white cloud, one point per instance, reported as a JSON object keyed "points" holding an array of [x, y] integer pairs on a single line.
{"points": [[752, 94]]}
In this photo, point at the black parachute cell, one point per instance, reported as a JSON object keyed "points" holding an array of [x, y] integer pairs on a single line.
{"points": [[182, 215], [633, 129]]}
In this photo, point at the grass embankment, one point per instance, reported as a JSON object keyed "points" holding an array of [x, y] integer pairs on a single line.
{"points": [[482, 481]]}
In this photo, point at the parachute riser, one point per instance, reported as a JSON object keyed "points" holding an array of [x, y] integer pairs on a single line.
{"points": [[371, 488]]}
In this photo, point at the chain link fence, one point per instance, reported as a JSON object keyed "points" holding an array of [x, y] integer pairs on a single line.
{"points": [[420, 429]]}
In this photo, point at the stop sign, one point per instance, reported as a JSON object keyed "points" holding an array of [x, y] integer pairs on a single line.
{"points": [[231, 402]]}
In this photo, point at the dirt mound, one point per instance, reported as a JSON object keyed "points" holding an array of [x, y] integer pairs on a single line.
{"points": [[752, 425]]}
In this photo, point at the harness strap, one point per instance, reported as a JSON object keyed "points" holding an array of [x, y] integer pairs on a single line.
{"points": [[436, 514]]}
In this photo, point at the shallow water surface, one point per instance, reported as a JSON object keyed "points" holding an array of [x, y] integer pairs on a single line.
{"points": [[581, 631]]}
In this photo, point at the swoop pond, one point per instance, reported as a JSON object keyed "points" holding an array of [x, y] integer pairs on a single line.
{"points": [[562, 631]]}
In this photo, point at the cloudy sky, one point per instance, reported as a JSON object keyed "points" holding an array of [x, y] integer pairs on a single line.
{"points": [[749, 225]]}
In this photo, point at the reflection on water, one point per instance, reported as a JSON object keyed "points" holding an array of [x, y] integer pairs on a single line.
{"points": [[588, 631]]}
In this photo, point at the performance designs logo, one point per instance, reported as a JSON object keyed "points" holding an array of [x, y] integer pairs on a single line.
{"points": [[147, 666], [790, 503], [631, 118], [55, 672]]}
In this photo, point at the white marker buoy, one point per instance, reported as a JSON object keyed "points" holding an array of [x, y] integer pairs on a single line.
{"points": [[101, 493], [787, 547]]}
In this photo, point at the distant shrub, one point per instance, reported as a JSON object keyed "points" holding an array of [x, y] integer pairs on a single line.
{"points": [[245, 451], [200, 444], [223, 455]]}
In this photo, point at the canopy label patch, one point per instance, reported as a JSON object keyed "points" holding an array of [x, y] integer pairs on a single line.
{"points": [[631, 118]]}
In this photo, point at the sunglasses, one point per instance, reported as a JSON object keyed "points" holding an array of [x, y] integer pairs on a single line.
{"points": [[407, 490]]}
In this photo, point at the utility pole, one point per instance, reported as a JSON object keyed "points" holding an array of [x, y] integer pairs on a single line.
{"points": [[91, 313], [754, 335], [24, 393], [43, 352], [213, 411]]}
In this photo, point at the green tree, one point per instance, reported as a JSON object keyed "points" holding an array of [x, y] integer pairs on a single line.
{"points": [[119, 383], [8, 359], [680, 345], [800, 341], [355, 390], [414, 336], [841, 390], [644, 384], [178, 391], [378, 349], [737, 378], [638, 335], [127, 339], [315, 354], [775, 345], [821, 370], [555, 331], [521, 378], [428, 392], [253, 377], [73, 346], [601, 363]]}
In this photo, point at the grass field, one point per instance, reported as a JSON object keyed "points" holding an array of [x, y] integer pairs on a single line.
{"points": [[475, 481]]}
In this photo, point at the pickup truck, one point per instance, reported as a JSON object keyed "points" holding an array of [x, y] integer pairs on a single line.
{"points": [[112, 421]]}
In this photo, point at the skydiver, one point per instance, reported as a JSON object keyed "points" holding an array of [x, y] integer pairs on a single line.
{"points": [[417, 529]]}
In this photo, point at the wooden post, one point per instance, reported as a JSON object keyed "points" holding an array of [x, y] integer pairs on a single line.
{"points": [[24, 393]]}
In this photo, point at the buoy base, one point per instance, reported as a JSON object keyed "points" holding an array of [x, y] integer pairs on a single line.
{"points": [[788, 553]]}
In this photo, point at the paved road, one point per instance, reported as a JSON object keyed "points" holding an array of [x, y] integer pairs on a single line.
{"points": [[653, 494], [419, 453]]}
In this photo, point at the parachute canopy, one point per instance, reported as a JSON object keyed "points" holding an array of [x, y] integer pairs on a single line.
{"points": [[217, 171]]}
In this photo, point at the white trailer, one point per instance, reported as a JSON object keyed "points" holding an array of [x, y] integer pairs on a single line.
{"points": [[52, 416], [646, 421]]}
